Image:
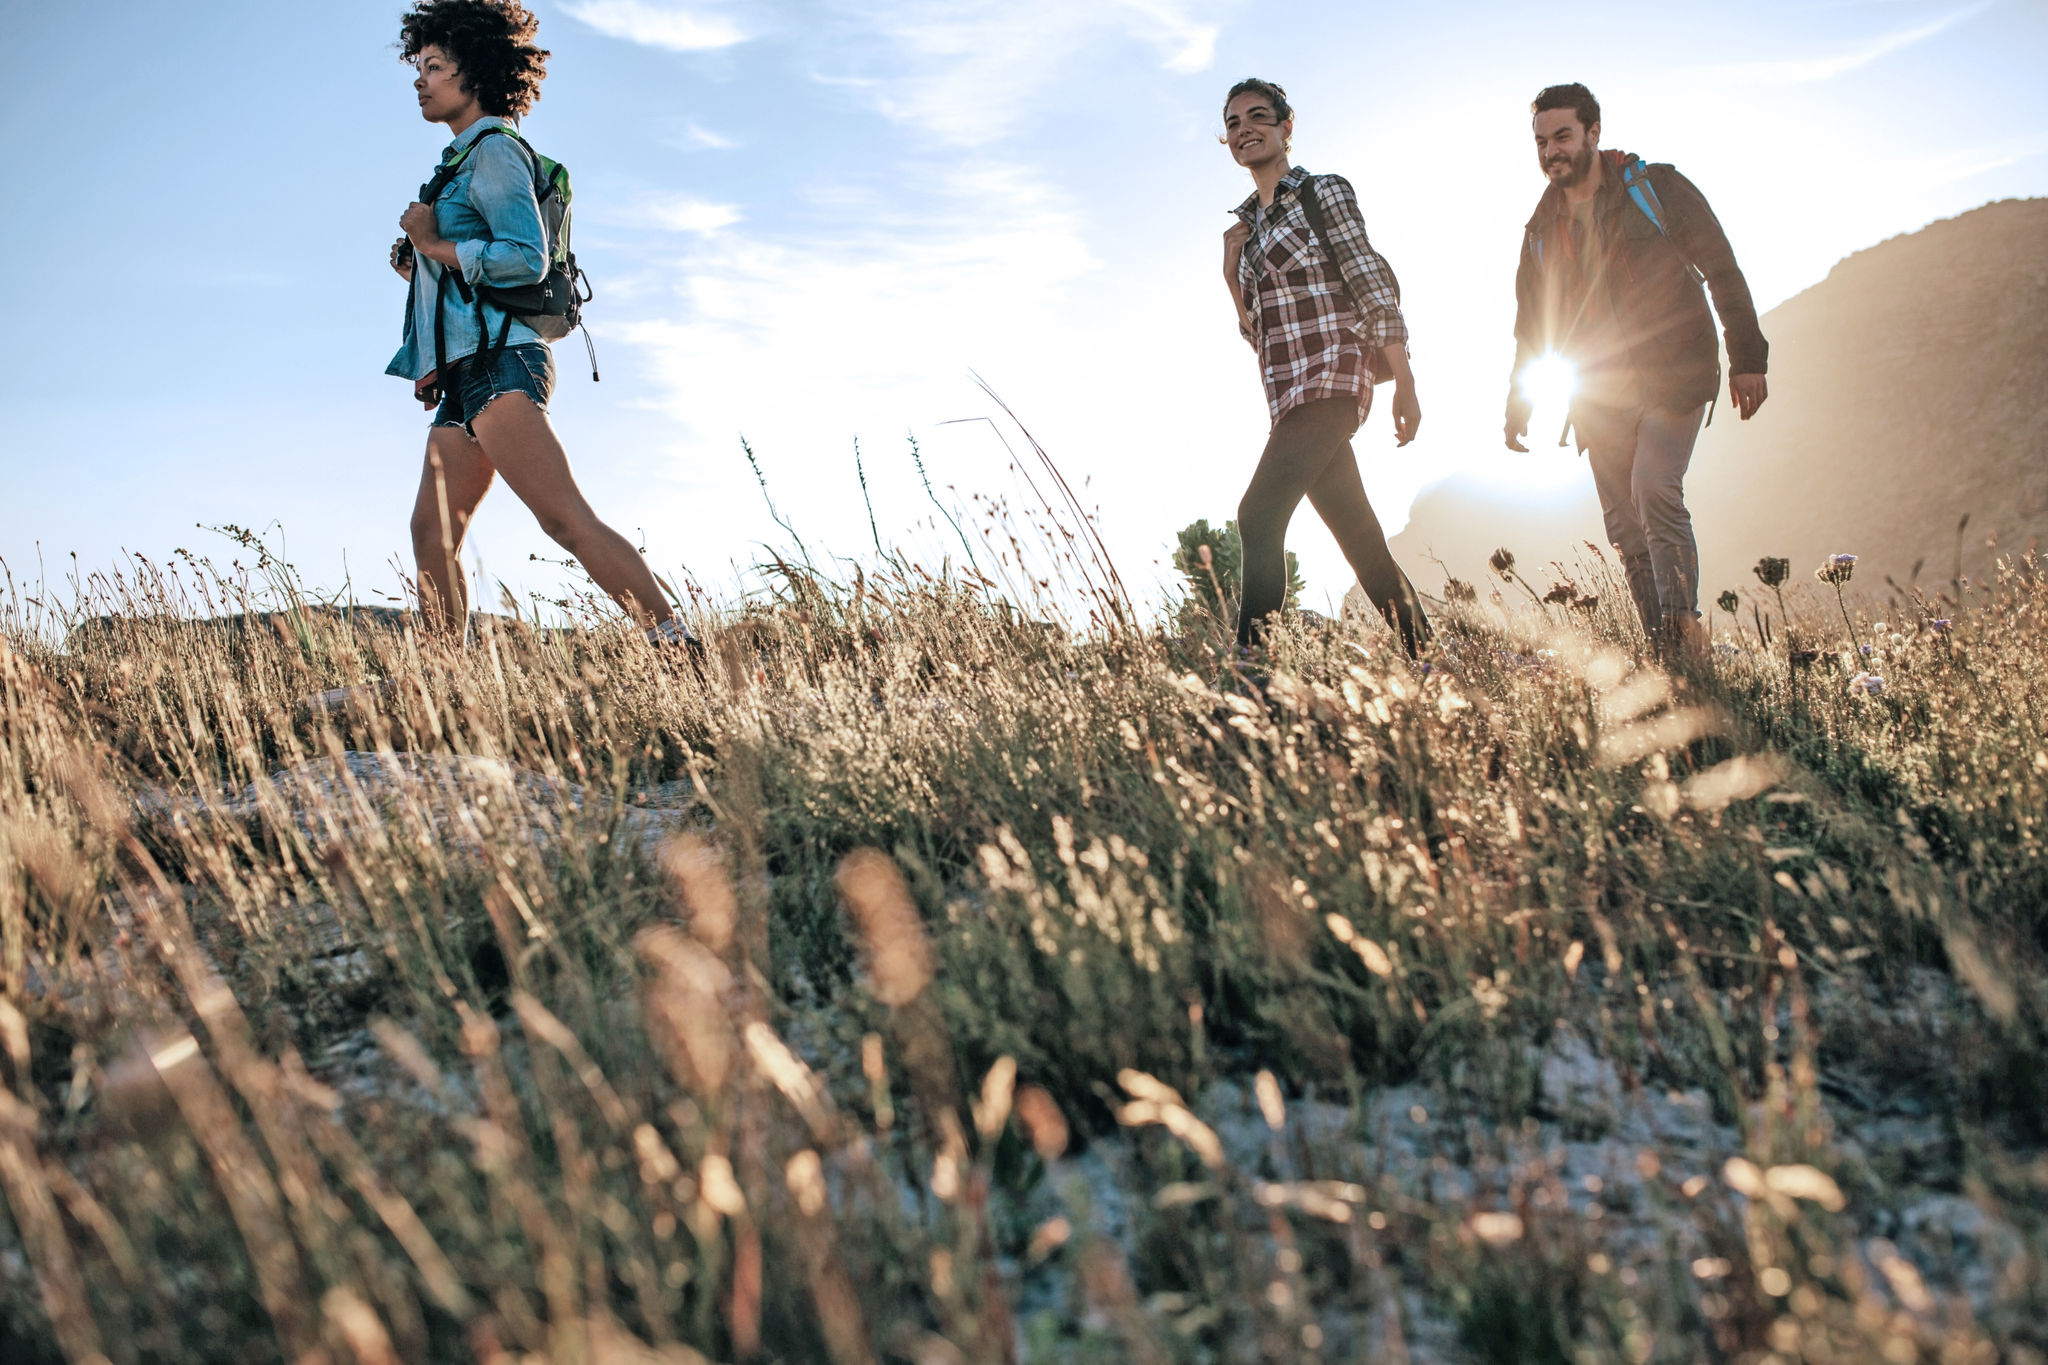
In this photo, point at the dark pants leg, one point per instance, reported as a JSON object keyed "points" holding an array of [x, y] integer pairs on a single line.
{"points": [[1309, 455], [1639, 458]]}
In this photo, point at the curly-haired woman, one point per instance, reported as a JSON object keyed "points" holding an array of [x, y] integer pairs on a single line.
{"points": [[490, 374], [1318, 304]]}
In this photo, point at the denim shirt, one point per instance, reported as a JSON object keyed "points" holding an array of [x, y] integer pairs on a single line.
{"points": [[488, 210]]}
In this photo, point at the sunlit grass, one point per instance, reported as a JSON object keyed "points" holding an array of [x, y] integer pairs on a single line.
{"points": [[929, 979]]}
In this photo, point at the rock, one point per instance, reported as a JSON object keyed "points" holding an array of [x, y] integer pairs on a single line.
{"points": [[1582, 1088], [455, 800]]}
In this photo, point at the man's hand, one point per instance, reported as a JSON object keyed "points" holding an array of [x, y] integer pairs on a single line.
{"points": [[417, 222], [1747, 392], [1517, 425]]}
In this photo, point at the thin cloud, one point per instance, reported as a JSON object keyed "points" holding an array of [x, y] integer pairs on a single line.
{"points": [[679, 213], [1811, 70], [968, 71], [700, 136], [1191, 46], [650, 24]]}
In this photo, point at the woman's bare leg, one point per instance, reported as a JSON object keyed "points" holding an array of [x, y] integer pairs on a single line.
{"points": [[453, 481], [519, 441]]}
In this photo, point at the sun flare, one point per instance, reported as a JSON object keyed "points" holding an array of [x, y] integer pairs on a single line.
{"points": [[1549, 381]]}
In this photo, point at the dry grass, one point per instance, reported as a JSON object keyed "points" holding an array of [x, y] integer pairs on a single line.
{"points": [[930, 982]]}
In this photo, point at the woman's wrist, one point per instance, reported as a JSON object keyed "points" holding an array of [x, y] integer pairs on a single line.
{"points": [[1395, 355]]}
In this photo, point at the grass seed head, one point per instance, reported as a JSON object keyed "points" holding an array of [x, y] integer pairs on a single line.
{"points": [[697, 871], [899, 956], [1043, 1122]]}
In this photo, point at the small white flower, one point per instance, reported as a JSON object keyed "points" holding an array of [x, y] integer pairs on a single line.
{"points": [[1869, 683]]}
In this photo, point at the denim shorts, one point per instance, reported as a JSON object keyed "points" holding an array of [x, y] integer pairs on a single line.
{"points": [[475, 380]]}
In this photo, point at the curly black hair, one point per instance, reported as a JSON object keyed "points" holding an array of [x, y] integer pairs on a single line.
{"points": [[491, 43]]}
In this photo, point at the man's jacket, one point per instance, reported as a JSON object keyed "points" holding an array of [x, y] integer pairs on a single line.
{"points": [[1626, 308]]}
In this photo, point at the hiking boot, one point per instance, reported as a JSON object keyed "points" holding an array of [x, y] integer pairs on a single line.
{"points": [[1686, 636]]}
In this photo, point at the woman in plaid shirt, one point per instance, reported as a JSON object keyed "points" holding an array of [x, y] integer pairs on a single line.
{"points": [[1321, 327]]}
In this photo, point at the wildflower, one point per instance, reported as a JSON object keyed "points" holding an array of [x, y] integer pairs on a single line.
{"points": [[1502, 562], [1590, 602], [1939, 625], [1869, 683], [1771, 572], [1561, 593], [1458, 590], [1728, 601], [1836, 569], [1864, 650]]}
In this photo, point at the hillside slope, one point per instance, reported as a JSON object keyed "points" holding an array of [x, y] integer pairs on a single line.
{"points": [[1908, 388]]}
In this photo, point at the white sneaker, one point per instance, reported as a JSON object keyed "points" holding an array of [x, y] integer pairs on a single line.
{"points": [[674, 632]]}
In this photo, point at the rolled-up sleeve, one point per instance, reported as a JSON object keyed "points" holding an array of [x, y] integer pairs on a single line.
{"points": [[501, 192], [1371, 280]]}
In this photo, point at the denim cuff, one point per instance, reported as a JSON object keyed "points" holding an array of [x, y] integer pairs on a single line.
{"points": [[469, 253]]}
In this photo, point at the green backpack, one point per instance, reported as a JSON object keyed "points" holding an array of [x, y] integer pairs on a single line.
{"points": [[553, 308]]}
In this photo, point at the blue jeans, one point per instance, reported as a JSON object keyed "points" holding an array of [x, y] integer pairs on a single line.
{"points": [[474, 381], [1639, 458]]}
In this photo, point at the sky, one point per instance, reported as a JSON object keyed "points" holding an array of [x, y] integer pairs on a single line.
{"points": [[816, 225]]}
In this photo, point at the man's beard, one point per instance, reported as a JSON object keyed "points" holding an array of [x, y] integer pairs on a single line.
{"points": [[1581, 166]]}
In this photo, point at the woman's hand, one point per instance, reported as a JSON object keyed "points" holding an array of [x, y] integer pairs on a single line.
{"points": [[401, 259], [1407, 412], [417, 222], [1407, 408], [1234, 238]]}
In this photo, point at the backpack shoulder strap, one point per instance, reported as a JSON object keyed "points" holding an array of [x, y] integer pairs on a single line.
{"points": [[1319, 228], [449, 169], [1635, 179], [1312, 207]]}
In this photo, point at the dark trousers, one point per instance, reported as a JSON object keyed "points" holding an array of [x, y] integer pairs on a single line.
{"points": [[1309, 455]]}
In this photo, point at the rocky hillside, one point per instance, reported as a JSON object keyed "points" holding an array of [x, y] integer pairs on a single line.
{"points": [[1908, 388]]}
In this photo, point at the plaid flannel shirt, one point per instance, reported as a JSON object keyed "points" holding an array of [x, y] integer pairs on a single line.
{"points": [[1312, 343]]}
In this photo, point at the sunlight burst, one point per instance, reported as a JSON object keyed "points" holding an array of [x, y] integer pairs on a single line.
{"points": [[1549, 381]]}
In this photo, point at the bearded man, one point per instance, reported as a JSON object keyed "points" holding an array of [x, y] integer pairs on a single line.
{"points": [[1612, 264]]}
